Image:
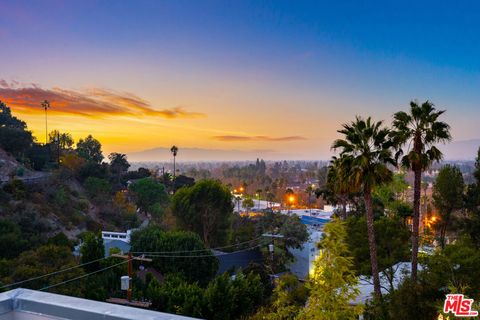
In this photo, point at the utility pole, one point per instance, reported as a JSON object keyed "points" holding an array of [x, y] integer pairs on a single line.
{"points": [[130, 272], [271, 246]]}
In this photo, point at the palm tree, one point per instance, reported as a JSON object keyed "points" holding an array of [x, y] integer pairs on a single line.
{"points": [[365, 153], [420, 130], [46, 106], [174, 151], [338, 187]]}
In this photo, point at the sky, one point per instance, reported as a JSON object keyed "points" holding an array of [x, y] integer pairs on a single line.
{"points": [[263, 77]]}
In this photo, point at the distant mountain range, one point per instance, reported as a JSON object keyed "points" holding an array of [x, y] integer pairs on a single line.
{"points": [[457, 150], [198, 154]]}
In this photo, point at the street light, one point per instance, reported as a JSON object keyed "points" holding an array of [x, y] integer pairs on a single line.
{"points": [[291, 199]]}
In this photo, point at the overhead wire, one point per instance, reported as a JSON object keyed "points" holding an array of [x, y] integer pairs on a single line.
{"points": [[153, 255], [52, 273], [83, 276], [199, 250]]}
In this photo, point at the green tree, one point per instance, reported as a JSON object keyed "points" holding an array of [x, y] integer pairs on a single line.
{"points": [[294, 234], [472, 205], [12, 242], [288, 299], [392, 238], [97, 188], [63, 140], [176, 295], [420, 129], [92, 249], [43, 260], [448, 196], [14, 137], [338, 188], [150, 196], [333, 285], [228, 298], [365, 152], [201, 268], [206, 209], [118, 163], [90, 149]]}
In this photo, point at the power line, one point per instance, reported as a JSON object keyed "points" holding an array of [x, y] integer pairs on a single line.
{"points": [[157, 256], [52, 273], [149, 254], [83, 276], [202, 256], [199, 250]]}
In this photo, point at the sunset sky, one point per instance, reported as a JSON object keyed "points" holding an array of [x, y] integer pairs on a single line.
{"points": [[257, 76]]}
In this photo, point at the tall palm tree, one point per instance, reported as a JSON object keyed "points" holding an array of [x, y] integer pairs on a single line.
{"points": [[419, 130], [365, 152], [174, 151], [46, 106]]}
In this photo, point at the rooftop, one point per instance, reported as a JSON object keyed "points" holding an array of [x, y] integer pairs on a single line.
{"points": [[22, 304]]}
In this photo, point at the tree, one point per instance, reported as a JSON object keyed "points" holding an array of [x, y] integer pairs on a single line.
{"points": [[176, 295], [476, 173], [365, 152], [447, 196], [97, 188], [46, 106], [422, 130], [72, 162], [47, 259], [150, 196], [63, 140], [288, 299], [472, 204], [92, 249], [90, 149], [12, 242], [14, 137], [174, 151], [248, 203], [128, 216], [118, 163], [333, 285], [228, 298], [392, 238], [294, 234], [202, 268], [207, 209], [337, 188]]}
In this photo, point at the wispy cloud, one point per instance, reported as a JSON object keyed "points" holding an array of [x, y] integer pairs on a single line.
{"points": [[95, 102], [257, 138]]}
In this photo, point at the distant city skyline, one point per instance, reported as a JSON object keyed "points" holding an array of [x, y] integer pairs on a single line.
{"points": [[262, 78]]}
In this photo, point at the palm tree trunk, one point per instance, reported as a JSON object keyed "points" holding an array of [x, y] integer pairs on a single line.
{"points": [[372, 243], [416, 221], [174, 171]]}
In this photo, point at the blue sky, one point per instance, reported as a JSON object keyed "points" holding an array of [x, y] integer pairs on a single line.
{"points": [[274, 69]]}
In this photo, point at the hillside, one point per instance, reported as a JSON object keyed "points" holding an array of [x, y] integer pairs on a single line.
{"points": [[47, 202]]}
